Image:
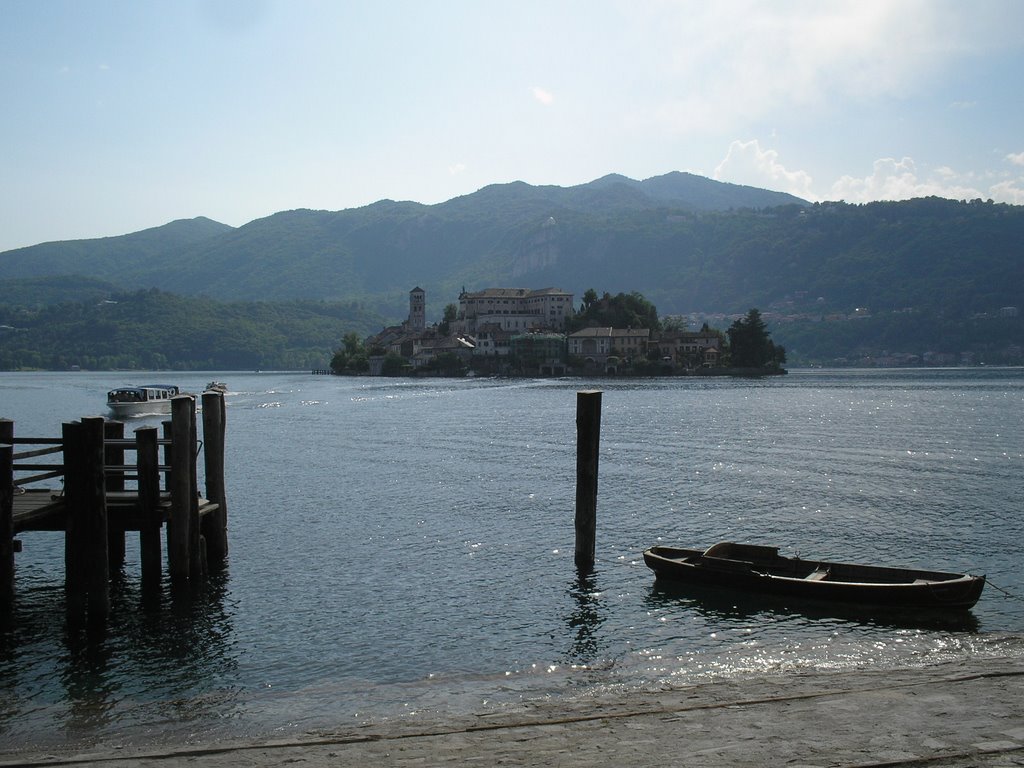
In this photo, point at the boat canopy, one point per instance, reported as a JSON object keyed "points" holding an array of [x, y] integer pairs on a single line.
{"points": [[142, 394]]}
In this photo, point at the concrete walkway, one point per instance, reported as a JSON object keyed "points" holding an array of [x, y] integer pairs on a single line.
{"points": [[963, 714]]}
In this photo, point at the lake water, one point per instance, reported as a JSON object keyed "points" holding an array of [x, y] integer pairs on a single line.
{"points": [[404, 548]]}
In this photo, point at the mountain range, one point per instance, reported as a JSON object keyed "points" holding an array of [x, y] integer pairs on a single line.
{"points": [[504, 234], [687, 243]]}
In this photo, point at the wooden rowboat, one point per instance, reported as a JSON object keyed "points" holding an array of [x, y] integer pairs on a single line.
{"points": [[755, 568]]}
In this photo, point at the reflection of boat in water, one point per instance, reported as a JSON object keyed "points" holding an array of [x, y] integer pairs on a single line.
{"points": [[760, 569], [217, 386], [145, 399]]}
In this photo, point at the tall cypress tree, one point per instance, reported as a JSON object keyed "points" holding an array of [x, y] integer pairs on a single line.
{"points": [[750, 343]]}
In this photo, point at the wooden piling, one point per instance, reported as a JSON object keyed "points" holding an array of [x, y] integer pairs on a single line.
{"points": [[180, 486], [74, 553], [215, 525], [588, 438], [148, 459], [95, 514], [86, 556], [113, 456], [6, 513], [95, 499], [196, 549]]}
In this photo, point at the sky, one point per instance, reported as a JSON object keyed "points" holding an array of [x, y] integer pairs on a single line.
{"points": [[119, 115]]}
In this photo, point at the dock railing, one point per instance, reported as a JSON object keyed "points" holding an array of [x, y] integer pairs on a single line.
{"points": [[103, 494]]}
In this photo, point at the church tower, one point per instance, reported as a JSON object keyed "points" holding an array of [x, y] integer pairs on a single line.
{"points": [[417, 310]]}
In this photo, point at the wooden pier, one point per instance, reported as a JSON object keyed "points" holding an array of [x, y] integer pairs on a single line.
{"points": [[105, 494]]}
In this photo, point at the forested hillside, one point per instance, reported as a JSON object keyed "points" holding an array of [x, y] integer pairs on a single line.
{"points": [[926, 271], [503, 234], [927, 254], [152, 330], [124, 260]]}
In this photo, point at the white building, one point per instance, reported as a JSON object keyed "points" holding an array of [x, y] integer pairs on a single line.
{"points": [[515, 309]]}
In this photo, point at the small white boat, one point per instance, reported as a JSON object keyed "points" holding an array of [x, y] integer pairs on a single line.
{"points": [[217, 386], [142, 400]]}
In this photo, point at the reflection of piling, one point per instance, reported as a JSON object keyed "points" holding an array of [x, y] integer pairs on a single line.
{"points": [[588, 437]]}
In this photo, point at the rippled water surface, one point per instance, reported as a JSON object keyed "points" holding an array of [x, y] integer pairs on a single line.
{"points": [[405, 548]]}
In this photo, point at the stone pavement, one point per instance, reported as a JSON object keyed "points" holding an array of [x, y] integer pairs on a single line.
{"points": [[962, 714]]}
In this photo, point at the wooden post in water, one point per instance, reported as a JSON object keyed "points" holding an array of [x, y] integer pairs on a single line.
{"points": [[215, 525], [6, 513], [180, 486], [113, 456], [74, 553], [588, 438], [167, 454], [86, 560], [148, 459], [95, 512], [196, 549]]}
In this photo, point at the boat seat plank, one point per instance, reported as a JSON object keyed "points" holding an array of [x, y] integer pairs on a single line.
{"points": [[726, 564]]}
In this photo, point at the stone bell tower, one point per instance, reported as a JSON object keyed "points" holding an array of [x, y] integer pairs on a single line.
{"points": [[417, 310]]}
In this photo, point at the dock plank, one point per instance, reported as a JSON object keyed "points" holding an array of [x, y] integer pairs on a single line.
{"points": [[45, 510], [39, 510]]}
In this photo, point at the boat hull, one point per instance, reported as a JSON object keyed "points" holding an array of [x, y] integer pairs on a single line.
{"points": [[762, 570], [126, 410]]}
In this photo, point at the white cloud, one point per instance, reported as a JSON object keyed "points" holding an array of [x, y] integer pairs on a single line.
{"points": [[1011, 191], [730, 63], [456, 169], [893, 179], [746, 163], [1016, 158], [543, 95]]}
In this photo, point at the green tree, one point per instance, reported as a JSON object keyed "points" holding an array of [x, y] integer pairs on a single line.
{"points": [[450, 313], [674, 323], [339, 362], [393, 365], [589, 299], [750, 344], [352, 343], [630, 310]]}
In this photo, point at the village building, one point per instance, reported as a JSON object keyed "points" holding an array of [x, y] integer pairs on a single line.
{"points": [[690, 349], [492, 341], [502, 330], [539, 353], [427, 349], [397, 339], [597, 345], [514, 309]]}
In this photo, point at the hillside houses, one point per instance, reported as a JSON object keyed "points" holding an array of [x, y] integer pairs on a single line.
{"points": [[528, 332]]}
